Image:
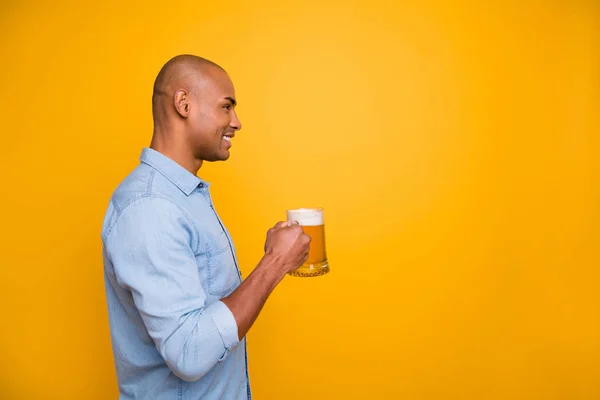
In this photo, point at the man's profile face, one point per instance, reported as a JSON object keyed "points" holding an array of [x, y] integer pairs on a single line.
{"points": [[213, 119]]}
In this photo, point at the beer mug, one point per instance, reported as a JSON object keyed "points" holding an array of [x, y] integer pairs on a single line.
{"points": [[312, 223]]}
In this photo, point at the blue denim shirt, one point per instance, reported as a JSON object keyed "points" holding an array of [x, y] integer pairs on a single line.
{"points": [[168, 260]]}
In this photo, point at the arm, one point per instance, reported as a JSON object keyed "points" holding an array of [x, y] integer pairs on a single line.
{"points": [[285, 250], [151, 248]]}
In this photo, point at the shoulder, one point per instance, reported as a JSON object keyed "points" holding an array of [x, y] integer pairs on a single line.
{"points": [[136, 202], [148, 212]]}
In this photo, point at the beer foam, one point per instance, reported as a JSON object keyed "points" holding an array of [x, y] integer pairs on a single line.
{"points": [[306, 216]]}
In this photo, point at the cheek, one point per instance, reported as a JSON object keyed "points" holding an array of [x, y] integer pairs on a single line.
{"points": [[198, 123], [204, 127], [226, 119], [211, 123]]}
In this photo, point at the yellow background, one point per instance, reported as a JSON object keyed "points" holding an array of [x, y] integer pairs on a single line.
{"points": [[454, 146]]}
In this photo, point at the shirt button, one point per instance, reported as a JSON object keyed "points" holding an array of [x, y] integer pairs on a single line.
{"points": [[200, 185]]}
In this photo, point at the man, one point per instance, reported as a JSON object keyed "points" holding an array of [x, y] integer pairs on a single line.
{"points": [[178, 309]]}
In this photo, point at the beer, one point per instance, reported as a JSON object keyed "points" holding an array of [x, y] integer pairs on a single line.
{"points": [[312, 223]]}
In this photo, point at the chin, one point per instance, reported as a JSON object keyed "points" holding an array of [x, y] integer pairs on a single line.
{"points": [[216, 156], [220, 157]]}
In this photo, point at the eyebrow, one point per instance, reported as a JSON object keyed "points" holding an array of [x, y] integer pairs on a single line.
{"points": [[232, 100]]}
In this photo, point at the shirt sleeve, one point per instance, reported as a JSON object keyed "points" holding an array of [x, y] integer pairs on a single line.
{"points": [[151, 247]]}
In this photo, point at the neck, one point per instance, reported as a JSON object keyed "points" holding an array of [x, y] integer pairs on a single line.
{"points": [[176, 151]]}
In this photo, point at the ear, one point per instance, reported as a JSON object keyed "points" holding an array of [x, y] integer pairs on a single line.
{"points": [[181, 101]]}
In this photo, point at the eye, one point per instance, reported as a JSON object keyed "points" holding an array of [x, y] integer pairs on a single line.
{"points": [[227, 106]]}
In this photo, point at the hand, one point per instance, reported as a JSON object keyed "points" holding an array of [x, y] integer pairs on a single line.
{"points": [[288, 245]]}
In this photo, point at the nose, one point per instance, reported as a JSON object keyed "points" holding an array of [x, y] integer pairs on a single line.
{"points": [[235, 122]]}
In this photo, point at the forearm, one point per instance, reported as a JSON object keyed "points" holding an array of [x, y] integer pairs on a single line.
{"points": [[248, 299]]}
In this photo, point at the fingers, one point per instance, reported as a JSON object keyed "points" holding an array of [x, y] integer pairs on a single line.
{"points": [[307, 238], [280, 224], [285, 224]]}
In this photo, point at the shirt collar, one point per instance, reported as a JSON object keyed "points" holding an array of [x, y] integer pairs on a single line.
{"points": [[179, 176]]}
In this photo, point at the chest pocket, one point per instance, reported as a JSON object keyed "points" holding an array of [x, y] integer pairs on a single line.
{"points": [[220, 267]]}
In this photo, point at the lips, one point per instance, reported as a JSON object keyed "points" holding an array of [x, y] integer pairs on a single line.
{"points": [[227, 139]]}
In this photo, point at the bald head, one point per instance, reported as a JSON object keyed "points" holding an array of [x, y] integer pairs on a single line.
{"points": [[184, 71], [193, 107]]}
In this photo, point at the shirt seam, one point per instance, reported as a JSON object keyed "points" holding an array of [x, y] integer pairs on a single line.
{"points": [[160, 197]]}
